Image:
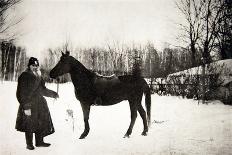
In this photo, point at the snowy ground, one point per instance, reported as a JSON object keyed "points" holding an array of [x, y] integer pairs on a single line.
{"points": [[188, 128]]}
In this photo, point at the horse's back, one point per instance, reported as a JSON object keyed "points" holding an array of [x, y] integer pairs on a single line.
{"points": [[111, 82], [133, 80], [102, 83]]}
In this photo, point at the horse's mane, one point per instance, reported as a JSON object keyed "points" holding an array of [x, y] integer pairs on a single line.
{"points": [[76, 63]]}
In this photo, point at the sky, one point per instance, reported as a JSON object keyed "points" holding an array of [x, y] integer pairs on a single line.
{"points": [[87, 23]]}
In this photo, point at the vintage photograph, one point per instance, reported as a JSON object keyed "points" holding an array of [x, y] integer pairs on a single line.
{"points": [[116, 77]]}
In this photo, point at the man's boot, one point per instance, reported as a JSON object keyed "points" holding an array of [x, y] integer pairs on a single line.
{"points": [[39, 141], [29, 140]]}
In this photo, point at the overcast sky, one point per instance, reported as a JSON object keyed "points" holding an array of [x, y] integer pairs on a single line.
{"points": [[87, 23]]}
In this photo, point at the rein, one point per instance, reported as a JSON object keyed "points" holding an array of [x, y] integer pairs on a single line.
{"points": [[57, 88]]}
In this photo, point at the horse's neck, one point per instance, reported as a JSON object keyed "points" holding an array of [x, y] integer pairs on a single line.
{"points": [[81, 77]]}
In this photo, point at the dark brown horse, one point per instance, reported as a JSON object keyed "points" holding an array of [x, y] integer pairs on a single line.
{"points": [[93, 89]]}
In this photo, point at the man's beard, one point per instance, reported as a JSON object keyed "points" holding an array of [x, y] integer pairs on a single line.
{"points": [[37, 72]]}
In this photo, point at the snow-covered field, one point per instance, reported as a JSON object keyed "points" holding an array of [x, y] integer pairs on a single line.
{"points": [[187, 128]]}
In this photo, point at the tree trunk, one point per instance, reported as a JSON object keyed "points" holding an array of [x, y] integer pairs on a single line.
{"points": [[7, 52], [18, 62], [193, 56], [15, 66], [203, 83]]}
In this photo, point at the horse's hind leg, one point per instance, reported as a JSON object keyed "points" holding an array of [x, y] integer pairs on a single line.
{"points": [[133, 109], [143, 115], [86, 110]]}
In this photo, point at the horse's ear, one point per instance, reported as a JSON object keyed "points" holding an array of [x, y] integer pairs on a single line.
{"points": [[62, 53], [67, 53]]}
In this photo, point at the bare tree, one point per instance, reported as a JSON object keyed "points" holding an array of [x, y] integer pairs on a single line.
{"points": [[204, 19], [224, 37], [203, 24], [5, 48], [192, 11], [212, 15], [5, 23]]}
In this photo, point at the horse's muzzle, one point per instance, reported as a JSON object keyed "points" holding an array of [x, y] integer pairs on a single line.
{"points": [[52, 74]]}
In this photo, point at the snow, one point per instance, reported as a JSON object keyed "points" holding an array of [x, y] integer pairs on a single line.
{"points": [[184, 127], [222, 66]]}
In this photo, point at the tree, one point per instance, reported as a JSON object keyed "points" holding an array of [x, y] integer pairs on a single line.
{"points": [[204, 20], [13, 61], [192, 29], [5, 24], [224, 37], [152, 62], [211, 17], [166, 60], [205, 16], [136, 68]]}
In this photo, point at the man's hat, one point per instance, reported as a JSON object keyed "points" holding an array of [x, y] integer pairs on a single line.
{"points": [[33, 61]]}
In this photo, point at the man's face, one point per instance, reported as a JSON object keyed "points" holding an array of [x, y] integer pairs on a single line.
{"points": [[34, 67]]}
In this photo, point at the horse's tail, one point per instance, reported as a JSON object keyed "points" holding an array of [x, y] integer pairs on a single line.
{"points": [[147, 93]]}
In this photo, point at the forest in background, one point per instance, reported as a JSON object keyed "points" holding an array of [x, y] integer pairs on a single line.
{"points": [[111, 60]]}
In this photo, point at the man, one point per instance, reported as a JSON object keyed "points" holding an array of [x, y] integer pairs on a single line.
{"points": [[33, 113]]}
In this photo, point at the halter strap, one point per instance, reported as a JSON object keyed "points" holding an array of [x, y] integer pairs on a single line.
{"points": [[57, 88]]}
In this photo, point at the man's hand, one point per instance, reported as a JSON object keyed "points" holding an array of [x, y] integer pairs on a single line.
{"points": [[56, 95], [27, 112]]}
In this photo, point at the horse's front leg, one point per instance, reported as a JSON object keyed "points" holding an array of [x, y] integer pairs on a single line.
{"points": [[86, 110]]}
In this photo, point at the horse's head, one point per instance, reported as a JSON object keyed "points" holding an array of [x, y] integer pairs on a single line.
{"points": [[62, 67]]}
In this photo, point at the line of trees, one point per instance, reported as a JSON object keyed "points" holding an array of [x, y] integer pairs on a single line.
{"points": [[119, 60], [13, 61], [106, 61]]}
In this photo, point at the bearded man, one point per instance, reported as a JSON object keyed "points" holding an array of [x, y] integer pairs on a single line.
{"points": [[33, 112]]}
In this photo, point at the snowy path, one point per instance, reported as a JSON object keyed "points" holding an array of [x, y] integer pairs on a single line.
{"points": [[188, 128]]}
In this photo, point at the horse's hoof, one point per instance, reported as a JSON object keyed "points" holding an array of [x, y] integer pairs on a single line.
{"points": [[144, 134], [82, 137], [126, 136]]}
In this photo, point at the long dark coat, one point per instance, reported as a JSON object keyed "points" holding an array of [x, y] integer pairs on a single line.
{"points": [[30, 92]]}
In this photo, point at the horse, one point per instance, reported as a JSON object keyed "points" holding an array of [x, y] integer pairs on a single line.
{"points": [[94, 89]]}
